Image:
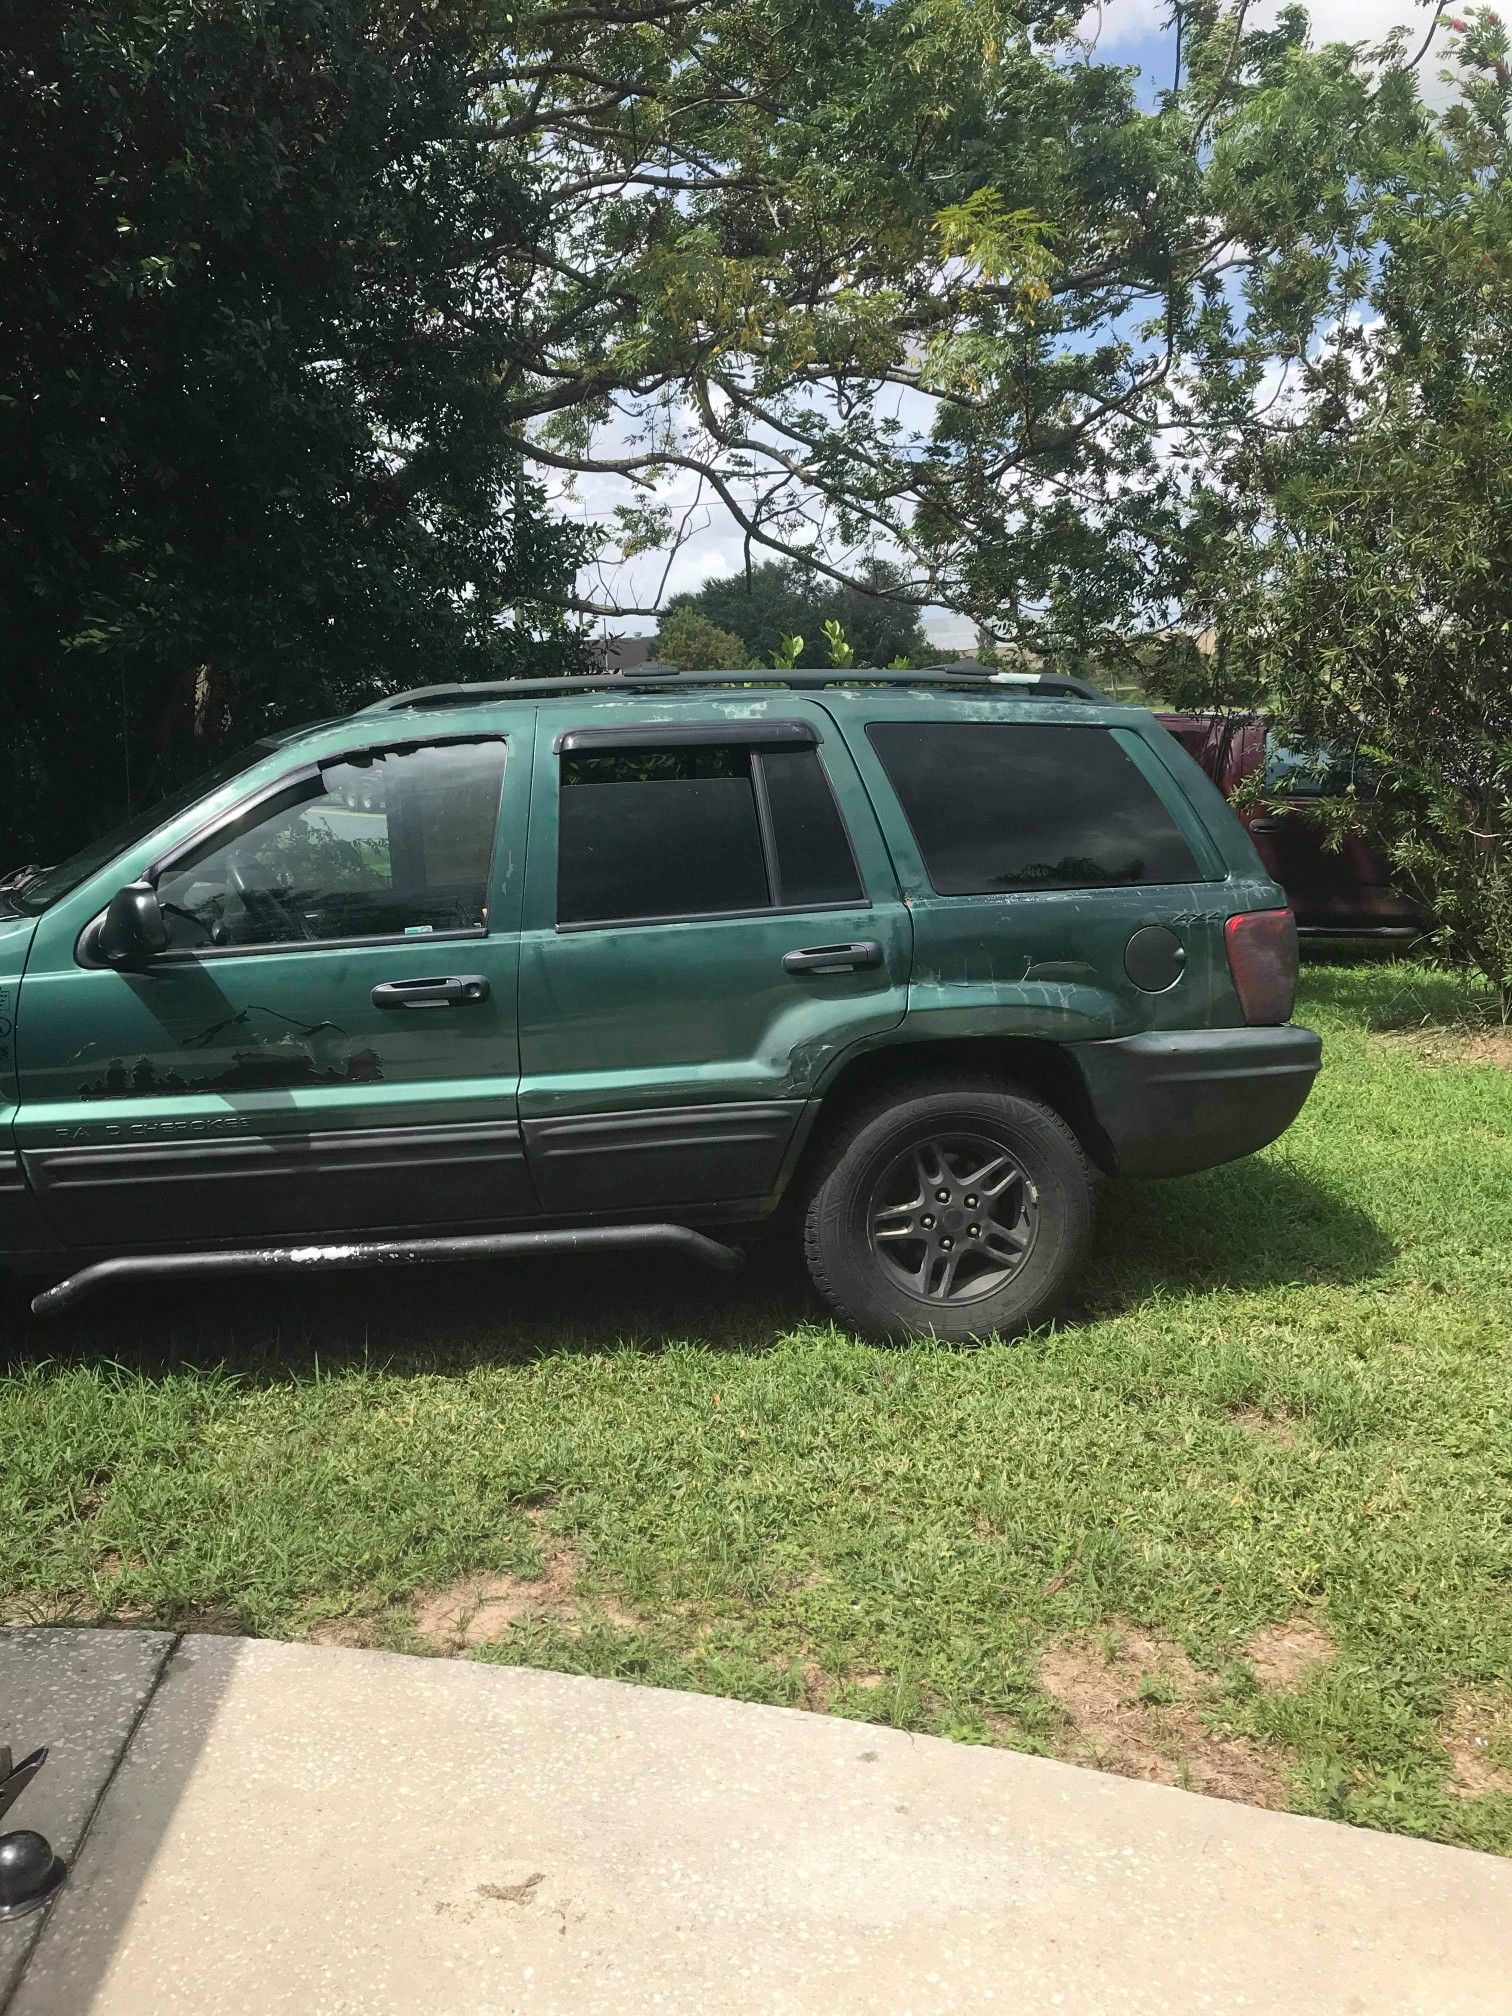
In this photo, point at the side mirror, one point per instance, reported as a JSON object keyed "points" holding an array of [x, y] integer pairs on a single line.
{"points": [[132, 930]]}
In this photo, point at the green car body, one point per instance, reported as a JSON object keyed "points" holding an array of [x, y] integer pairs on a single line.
{"points": [[621, 1070]]}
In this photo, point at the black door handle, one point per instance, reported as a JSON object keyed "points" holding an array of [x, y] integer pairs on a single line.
{"points": [[834, 958], [463, 992], [1265, 825]]}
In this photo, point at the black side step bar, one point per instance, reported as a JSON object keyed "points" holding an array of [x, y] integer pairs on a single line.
{"points": [[339, 1253]]}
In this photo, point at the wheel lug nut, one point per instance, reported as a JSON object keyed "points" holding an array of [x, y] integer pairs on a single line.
{"points": [[927, 1222], [975, 1231], [971, 1203], [943, 1196], [947, 1244]]}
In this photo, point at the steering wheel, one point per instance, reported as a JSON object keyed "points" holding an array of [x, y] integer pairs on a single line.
{"points": [[265, 906]]}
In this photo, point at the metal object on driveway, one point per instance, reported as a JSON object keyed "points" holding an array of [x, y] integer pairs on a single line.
{"points": [[30, 1873]]}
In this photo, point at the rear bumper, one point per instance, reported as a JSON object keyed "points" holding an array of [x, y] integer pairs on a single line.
{"points": [[1173, 1101]]}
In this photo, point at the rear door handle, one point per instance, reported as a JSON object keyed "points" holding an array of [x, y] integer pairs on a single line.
{"points": [[1265, 825], [464, 991], [834, 958]]}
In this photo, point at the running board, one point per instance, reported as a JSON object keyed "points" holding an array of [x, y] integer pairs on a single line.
{"points": [[335, 1254]]}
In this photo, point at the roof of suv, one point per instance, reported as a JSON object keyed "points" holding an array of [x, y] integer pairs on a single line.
{"points": [[966, 675]]}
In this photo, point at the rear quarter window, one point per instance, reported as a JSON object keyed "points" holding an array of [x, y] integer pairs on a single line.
{"points": [[1002, 806]]}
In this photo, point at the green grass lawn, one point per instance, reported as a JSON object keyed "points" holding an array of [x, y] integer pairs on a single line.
{"points": [[1244, 1521]]}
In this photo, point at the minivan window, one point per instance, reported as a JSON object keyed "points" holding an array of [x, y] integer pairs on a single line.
{"points": [[384, 844], [997, 806], [711, 829]]}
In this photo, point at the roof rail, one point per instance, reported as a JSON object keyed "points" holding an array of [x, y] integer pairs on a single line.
{"points": [[658, 678]]}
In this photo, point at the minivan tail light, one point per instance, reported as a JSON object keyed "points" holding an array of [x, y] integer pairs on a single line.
{"points": [[1262, 957]]}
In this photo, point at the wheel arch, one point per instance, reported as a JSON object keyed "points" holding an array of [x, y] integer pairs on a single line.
{"points": [[1034, 1064]]}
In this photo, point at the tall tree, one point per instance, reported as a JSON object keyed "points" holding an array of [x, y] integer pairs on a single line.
{"points": [[315, 296], [1361, 564], [255, 459], [920, 281]]}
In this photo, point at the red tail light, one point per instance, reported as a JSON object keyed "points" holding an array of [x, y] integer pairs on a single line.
{"points": [[1262, 957]]}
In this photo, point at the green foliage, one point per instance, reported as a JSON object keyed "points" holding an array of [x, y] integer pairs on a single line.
{"points": [[253, 456], [840, 651], [298, 854], [693, 644], [789, 650], [778, 600], [1000, 243], [1365, 584], [930, 309]]}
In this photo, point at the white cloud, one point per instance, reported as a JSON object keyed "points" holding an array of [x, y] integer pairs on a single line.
{"points": [[1354, 20], [1119, 24]]}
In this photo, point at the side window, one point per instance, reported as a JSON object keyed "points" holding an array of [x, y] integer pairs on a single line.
{"points": [[387, 844], [1002, 806], [814, 862], [697, 831], [1317, 772]]}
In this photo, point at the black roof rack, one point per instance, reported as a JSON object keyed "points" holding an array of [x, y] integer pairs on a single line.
{"points": [[658, 678]]}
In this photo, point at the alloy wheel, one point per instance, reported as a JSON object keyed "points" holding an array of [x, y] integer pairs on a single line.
{"points": [[953, 1217]]}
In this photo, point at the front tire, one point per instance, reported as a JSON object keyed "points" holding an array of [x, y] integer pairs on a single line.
{"points": [[957, 1210]]}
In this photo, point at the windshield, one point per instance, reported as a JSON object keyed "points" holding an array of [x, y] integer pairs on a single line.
{"points": [[40, 890]]}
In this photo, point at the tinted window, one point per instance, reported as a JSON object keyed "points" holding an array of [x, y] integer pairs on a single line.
{"points": [[393, 844], [678, 832], [1004, 805], [814, 860], [658, 833]]}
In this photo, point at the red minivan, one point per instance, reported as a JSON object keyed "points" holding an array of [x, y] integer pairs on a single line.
{"points": [[1340, 890]]}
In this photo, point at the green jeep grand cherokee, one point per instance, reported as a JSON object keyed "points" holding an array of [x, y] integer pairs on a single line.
{"points": [[598, 962]]}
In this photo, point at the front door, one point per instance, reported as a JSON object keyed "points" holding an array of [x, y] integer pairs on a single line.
{"points": [[705, 933], [328, 1046]]}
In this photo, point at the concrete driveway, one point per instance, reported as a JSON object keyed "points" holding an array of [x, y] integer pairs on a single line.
{"points": [[264, 1827]]}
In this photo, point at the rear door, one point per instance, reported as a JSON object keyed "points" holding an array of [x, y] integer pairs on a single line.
{"points": [[1047, 856], [328, 1046], [711, 918], [1342, 886]]}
